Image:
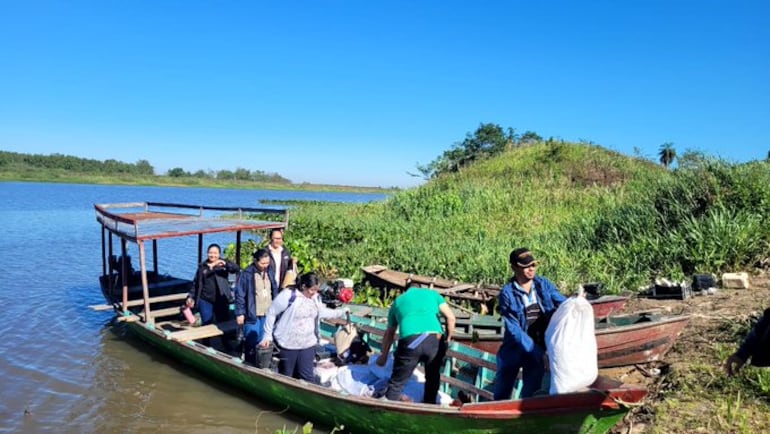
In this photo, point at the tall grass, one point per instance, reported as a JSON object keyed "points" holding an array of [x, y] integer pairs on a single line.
{"points": [[588, 213]]}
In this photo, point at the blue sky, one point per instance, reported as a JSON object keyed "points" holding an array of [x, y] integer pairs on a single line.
{"points": [[359, 92]]}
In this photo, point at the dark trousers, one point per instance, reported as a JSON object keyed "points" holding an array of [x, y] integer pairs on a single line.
{"points": [[430, 352], [297, 363], [510, 359]]}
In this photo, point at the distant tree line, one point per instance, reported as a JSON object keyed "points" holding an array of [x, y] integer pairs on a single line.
{"points": [[18, 161], [240, 174], [488, 140]]}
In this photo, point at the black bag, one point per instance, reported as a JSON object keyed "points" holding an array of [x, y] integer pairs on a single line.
{"points": [[537, 329], [702, 282]]}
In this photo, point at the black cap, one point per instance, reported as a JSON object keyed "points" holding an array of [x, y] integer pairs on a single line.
{"points": [[522, 257]]}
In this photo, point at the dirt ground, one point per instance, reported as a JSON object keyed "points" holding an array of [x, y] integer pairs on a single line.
{"points": [[710, 319]]}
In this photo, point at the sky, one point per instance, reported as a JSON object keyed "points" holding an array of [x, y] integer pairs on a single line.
{"points": [[360, 92]]}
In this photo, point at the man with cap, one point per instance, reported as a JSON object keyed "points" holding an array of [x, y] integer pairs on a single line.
{"points": [[523, 301]]}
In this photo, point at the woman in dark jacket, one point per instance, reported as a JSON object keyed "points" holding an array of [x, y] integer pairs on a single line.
{"points": [[253, 296], [211, 289]]}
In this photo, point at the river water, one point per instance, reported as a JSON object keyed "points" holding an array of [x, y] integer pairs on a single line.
{"points": [[64, 368]]}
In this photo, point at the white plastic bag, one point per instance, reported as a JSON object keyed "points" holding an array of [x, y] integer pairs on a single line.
{"points": [[571, 345]]}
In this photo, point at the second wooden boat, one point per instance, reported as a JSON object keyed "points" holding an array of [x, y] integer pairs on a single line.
{"points": [[381, 276], [620, 339]]}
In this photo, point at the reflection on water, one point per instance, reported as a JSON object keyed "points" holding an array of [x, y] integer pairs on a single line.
{"points": [[64, 367]]}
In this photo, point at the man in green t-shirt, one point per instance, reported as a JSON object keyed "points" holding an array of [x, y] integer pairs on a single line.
{"points": [[416, 314]]}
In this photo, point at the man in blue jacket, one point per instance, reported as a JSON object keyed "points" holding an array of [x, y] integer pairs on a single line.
{"points": [[523, 301]]}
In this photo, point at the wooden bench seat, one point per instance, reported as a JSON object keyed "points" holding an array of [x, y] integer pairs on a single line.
{"points": [[462, 385], [189, 333]]}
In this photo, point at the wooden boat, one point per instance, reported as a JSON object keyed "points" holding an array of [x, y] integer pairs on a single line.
{"points": [[595, 410], [381, 276], [620, 339]]}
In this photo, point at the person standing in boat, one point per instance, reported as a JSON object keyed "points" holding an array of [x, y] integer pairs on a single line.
{"points": [[211, 287], [756, 347], [253, 297], [294, 321], [281, 261], [526, 299], [415, 314]]}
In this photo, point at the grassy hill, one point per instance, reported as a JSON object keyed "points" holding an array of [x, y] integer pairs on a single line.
{"points": [[589, 213], [592, 215]]}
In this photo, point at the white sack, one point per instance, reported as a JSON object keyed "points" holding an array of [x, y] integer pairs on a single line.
{"points": [[571, 345]]}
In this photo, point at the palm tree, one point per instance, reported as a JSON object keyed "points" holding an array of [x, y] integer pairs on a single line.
{"points": [[667, 154]]}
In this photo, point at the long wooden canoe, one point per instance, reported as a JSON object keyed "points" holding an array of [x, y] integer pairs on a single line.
{"points": [[381, 276], [620, 339], [467, 369], [595, 410]]}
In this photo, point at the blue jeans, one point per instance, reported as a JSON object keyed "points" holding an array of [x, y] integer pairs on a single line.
{"points": [[209, 311], [253, 333], [509, 360]]}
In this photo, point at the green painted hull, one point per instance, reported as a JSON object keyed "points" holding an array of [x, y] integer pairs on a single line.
{"points": [[586, 412]]}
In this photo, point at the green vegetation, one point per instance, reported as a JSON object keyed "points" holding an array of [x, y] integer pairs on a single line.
{"points": [[69, 169], [706, 396], [589, 213], [487, 141]]}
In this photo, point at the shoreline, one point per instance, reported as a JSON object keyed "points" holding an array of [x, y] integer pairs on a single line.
{"points": [[198, 183]]}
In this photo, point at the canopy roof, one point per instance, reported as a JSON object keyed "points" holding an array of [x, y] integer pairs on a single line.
{"points": [[140, 221]]}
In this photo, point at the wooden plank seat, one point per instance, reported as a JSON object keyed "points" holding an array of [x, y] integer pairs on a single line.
{"points": [[159, 313], [189, 333], [140, 302], [462, 385], [158, 299]]}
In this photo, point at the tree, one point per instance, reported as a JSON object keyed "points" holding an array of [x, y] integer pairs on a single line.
{"points": [[488, 140], [530, 137], [667, 154], [177, 172], [692, 159], [143, 167], [242, 174]]}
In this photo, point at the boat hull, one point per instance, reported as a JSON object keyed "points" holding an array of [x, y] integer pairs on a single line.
{"points": [[618, 346], [585, 412], [621, 340]]}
